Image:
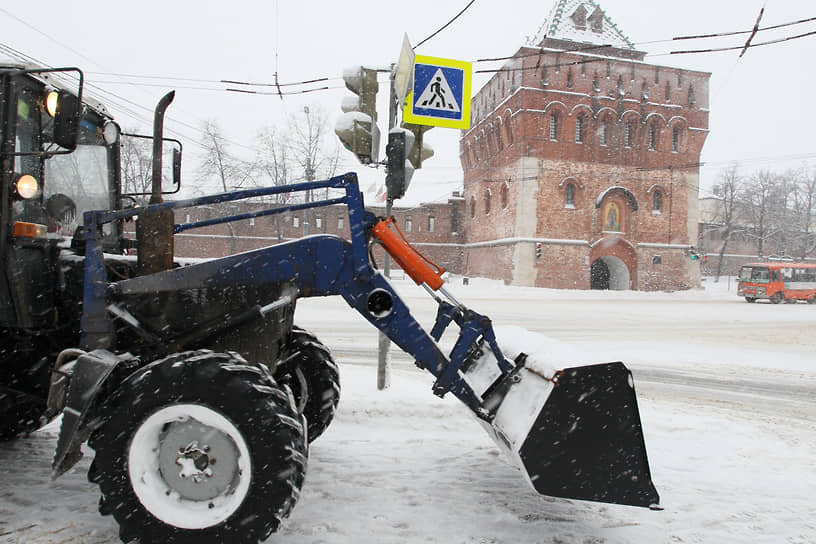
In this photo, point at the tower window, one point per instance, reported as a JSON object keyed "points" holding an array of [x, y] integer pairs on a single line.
{"points": [[569, 196], [603, 133], [657, 202], [553, 127], [675, 140], [652, 137], [628, 134], [579, 129]]}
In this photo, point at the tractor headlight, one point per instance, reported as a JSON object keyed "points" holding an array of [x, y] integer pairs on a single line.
{"points": [[52, 102], [26, 186], [110, 133]]}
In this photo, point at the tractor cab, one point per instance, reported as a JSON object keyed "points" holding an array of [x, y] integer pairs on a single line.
{"points": [[59, 158]]}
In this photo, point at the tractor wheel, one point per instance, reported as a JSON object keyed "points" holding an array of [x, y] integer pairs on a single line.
{"points": [[750, 299], [812, 300], [19, 414], [777, 297], [24, 379], [199, 447], [308, 368]]}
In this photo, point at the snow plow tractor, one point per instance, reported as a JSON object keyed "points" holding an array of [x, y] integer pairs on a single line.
{"points": [[197, 393]]}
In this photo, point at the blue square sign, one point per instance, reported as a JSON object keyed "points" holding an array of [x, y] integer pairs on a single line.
{"points": [[441, 93]]}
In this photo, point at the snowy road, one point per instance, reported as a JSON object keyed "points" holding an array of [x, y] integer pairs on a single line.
{"points": [[727, 395]]}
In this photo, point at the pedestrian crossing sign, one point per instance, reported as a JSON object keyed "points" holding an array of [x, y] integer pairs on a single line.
{"points": [[440, 95]]}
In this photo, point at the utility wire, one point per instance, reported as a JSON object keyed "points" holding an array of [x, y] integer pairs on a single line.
{"points": [[539, 52], [464, 9], [739, 47], [740, 32]]}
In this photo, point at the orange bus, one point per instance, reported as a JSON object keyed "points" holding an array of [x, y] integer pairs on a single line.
{"points": [[778, 281]]}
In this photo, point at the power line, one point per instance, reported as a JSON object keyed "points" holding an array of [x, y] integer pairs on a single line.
{"points": [[748, 45], [464, 9], [741, 32]]}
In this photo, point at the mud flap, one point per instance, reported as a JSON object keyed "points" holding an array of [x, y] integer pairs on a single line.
{"points": [[587, 441]]}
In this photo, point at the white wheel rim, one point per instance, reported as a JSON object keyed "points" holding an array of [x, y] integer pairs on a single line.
{"points": [[182, 494]]}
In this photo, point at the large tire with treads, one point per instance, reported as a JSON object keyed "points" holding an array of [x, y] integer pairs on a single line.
{"points": [[307, 367], [199, 447], [18, 414]]}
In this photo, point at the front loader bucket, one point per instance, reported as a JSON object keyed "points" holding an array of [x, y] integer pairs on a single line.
{"points": [[587, 442], [576, 432]]}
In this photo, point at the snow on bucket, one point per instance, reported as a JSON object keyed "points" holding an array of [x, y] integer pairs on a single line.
{"points": [[573, 430]]}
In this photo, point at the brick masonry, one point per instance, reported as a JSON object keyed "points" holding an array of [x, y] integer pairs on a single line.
{"points": [[593, 157]]}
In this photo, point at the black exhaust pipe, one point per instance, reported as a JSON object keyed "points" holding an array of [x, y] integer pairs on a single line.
{"points": [[154, 230]]}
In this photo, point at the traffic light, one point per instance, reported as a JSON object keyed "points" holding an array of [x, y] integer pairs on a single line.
{"points": [[357, 127], [399, 169], [694, 254], [538, 250], [420, 150]]}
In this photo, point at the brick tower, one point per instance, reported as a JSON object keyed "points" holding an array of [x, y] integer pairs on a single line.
{"points": [[580, 166]]}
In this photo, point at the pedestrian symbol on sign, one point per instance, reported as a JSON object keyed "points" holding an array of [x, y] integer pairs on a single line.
{"points": [[438, 95]]}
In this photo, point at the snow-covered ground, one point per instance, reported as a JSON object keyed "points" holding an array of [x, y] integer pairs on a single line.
{"points": [[727, 394]]}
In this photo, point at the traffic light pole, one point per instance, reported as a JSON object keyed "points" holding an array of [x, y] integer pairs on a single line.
{"points": [[383, 361]]}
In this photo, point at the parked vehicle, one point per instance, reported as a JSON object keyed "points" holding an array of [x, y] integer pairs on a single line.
{"points": [[778, 281]]}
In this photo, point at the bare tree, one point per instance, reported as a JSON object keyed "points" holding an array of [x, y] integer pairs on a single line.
{"points": [[304, 151], [309, 146], [783, 211], [273, 160], [728, 189], [137, 165], [805, 212], [274, 167], [758, 198], [229, 171]]}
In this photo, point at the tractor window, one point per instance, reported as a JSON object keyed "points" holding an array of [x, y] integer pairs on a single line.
{"points": [[27, 140], [79, 180], [82, 177], [27, 135]]}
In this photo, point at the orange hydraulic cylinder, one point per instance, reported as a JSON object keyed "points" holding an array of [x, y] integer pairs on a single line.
{"points": [[414, 264]]}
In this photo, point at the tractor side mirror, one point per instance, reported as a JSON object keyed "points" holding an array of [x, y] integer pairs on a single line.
{"points": [[135, 149], [66, 119], [177, 167]]}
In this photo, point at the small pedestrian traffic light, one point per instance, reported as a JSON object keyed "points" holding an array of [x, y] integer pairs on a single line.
{"points": [[538, 250], [694, 254], [399, 169]]}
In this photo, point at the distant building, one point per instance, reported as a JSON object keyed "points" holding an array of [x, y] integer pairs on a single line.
{"points": [[580, 163], [436, 229]]}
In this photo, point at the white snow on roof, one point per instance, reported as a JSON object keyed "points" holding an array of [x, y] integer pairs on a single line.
{"points": [[581, 21]]}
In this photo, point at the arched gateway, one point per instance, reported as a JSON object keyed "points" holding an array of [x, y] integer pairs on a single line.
{"points": [[614, 264]]}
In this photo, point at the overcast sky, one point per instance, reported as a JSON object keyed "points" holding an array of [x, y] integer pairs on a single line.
{"points": [[761, 113]]}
